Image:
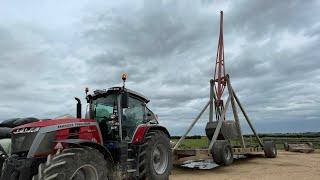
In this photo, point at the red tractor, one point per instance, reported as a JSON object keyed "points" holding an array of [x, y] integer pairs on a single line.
{"points": [[120, 138]]}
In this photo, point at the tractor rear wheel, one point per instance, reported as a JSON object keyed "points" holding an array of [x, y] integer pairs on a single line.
{"points": [[75, 164], [155, 158], [222, 153]]}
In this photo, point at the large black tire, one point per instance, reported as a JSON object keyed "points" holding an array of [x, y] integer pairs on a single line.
{"points": [[14, 122], [23, 121], [286, 146], [155, 158], [5, 132], [270, 149], [8, 123], [222, 153], [82, 163]]}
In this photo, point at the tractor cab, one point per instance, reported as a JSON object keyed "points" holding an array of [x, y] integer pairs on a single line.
{"points": [[118, 111]]}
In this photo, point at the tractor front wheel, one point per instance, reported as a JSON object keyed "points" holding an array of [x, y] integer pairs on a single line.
{"points": [[155, 158], [74, 164]]}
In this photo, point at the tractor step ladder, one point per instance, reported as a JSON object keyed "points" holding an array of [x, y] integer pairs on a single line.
{"points": [[131, 160]]}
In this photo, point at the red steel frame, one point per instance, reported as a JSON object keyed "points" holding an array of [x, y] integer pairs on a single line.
{"points": [[219, 71]]}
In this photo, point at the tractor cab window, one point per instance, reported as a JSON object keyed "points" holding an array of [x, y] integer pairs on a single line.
{"points": [[104, 110], [132, 117], [151, 117]]}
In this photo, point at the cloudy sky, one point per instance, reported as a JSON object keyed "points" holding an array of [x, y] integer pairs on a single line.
{"points": [[51, 50]]}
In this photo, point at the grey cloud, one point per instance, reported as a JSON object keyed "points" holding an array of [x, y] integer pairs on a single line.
{"points": [[168, 49], [261, 19]]}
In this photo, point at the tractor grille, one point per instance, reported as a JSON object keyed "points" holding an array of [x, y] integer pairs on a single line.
{"points": [[22, 142]]}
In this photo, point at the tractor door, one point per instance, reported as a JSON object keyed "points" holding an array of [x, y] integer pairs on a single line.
{"points": [[105, 112], [132, 117]]}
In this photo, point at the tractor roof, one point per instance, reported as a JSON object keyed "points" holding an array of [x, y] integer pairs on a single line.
{"points": [[99, 93]]}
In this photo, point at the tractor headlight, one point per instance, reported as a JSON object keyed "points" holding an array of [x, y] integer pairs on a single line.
{"points": [[34, 129], [26, 130]]}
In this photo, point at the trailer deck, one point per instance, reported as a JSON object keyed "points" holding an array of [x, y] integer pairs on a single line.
{"points": [[201, 154]]}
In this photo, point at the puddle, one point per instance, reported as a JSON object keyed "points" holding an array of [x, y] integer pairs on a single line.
{"points": [[205, 164], [202, 164], [239, 157]]}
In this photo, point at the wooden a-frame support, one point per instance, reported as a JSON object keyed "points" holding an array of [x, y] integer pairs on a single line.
{"points": [[232, 97]]}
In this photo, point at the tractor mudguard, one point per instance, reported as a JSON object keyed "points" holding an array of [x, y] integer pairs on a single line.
{"points": [[84, 142], [143, 129], [158, 128]]}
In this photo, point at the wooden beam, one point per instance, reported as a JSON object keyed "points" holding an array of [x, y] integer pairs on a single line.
{"points": [[212, 95], [247, 118], [248, 150], [191, 126], [235, 113], [216, 132]]}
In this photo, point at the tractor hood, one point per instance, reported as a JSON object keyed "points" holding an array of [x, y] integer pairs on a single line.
{"points": [[39, 138], [61, 123]]}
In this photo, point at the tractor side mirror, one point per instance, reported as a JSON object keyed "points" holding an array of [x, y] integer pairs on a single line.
{"points": [[124, 99], [149, 116]]}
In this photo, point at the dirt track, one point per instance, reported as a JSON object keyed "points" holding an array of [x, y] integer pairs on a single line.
{"points": [[287, 165]]}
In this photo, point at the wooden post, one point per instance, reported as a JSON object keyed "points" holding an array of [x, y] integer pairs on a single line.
{"points": [[247, 118], [216, 132], [191, 126], [211, 101], [235, 113]]}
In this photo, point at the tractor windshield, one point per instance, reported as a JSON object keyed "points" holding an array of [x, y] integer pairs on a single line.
{"points": [[104, 108], [105, 111]]}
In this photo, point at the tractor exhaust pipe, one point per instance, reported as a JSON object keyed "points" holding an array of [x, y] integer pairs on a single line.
{"points": [[78, 107]]}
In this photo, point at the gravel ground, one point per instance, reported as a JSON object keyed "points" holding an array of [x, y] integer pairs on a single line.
{"points": [[287, 165]]}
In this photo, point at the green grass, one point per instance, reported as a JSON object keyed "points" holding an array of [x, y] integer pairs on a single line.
{"points": [[193, 143]]}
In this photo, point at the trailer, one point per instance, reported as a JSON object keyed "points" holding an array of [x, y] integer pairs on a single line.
{"points": [[222, 132], [299, 147]]}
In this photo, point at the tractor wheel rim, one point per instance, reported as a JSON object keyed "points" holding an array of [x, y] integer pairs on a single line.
{"points": [[85, 172], [160, 159]]}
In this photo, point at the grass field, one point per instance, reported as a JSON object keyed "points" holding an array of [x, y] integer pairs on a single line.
{"points": [[193, 143], [202, 142]]}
